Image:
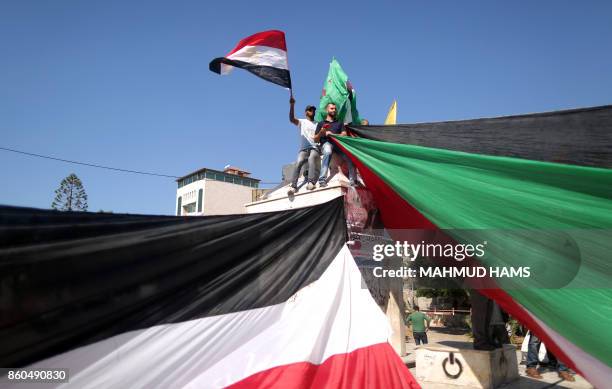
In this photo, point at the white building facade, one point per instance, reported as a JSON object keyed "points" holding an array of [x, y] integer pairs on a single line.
{"points": [[213, 192]]}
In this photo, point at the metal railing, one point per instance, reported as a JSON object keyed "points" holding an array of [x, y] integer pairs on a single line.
{"points": [[447, 312]]}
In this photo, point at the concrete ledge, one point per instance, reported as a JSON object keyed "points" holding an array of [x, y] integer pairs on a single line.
{"points": [[298, 200], [279, 200], [458, 364]]}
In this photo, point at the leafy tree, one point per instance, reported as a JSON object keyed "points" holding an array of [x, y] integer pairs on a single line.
{"points": [[70, 196]]}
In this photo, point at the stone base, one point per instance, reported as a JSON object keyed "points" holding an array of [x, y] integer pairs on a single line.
{"points": [[458, 364]]}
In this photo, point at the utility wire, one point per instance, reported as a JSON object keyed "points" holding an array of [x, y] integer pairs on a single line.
{"points": [[87, 164], [101, 166]]}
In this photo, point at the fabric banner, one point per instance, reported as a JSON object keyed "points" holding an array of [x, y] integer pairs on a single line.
{"points": [[264, 54], [578, 136], [534, 211], [124, 301], [337, 89]]}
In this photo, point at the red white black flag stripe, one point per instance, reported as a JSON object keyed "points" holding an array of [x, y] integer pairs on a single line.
{"points": [[124, 301], [263, 54]]}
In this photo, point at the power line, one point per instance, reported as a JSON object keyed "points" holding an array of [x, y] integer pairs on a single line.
{"points": [[102, 166], [87, 164]]}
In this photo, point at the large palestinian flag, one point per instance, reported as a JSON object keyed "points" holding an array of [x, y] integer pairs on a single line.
{"points": [[123, 301], [577, 136], [554, 217]]}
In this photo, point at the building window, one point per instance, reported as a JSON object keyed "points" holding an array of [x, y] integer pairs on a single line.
{"points": [[189, 208], [217, 176], [200, 198], [178, 207]]}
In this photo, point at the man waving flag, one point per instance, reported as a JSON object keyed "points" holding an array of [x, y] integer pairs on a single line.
{"points": [[264, 54]]}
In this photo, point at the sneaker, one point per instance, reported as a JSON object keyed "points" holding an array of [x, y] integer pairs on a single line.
{"points": [[310, 186], [291, 191], [566, 376], [322, 184], [533, 373]]}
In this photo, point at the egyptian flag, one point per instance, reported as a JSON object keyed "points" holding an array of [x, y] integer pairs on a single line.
{"points": [[240, 301], [555, 218], [264, 54]]}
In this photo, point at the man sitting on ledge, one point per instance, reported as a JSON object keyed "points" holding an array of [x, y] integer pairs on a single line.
{"points": [[324, 129]]}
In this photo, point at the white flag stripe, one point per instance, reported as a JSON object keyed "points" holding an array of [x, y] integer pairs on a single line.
{"points": [[226, 69], [333, 315], [262, 56]]}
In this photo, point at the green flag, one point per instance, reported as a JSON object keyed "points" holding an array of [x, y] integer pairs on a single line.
{"points": [[553, 217], [336, 90]]}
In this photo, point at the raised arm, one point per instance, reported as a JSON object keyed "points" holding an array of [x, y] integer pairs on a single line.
{"points": [[292, 118]]}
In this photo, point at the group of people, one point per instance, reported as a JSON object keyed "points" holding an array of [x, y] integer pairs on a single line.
{"points": [[488, 320], [314, 141], [497, 332]]}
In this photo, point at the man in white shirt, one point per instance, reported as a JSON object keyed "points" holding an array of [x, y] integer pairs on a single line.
{"points": [[309, 149]]}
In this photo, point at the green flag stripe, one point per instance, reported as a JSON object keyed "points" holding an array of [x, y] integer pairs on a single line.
{"points": [[485, 195]]}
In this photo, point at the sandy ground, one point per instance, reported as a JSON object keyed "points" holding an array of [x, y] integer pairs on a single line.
{"points": [[550, 380]]}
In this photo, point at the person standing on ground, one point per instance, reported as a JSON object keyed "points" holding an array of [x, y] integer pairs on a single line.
{"points": [[419, 329], [532, 361], [309, 150]]}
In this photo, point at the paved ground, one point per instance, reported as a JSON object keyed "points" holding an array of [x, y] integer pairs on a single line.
{"points": [[550, 380]]}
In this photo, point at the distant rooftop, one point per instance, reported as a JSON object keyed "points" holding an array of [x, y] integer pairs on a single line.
{"points": [[229, 174], [235, 170]]}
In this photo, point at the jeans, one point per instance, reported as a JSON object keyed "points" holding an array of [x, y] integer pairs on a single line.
{"points": [[532, 354], [310, 155], [328, 149], [420, 337]]}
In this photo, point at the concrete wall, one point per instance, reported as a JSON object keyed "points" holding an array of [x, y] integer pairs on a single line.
{"points": [[189, 194], [224, 198], [219, 198]]}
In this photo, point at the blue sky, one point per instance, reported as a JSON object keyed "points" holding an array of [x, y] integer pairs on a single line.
{"points": [[126, 83]]}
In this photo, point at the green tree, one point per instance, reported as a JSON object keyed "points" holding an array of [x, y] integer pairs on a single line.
{"points": [[70, 196]]}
